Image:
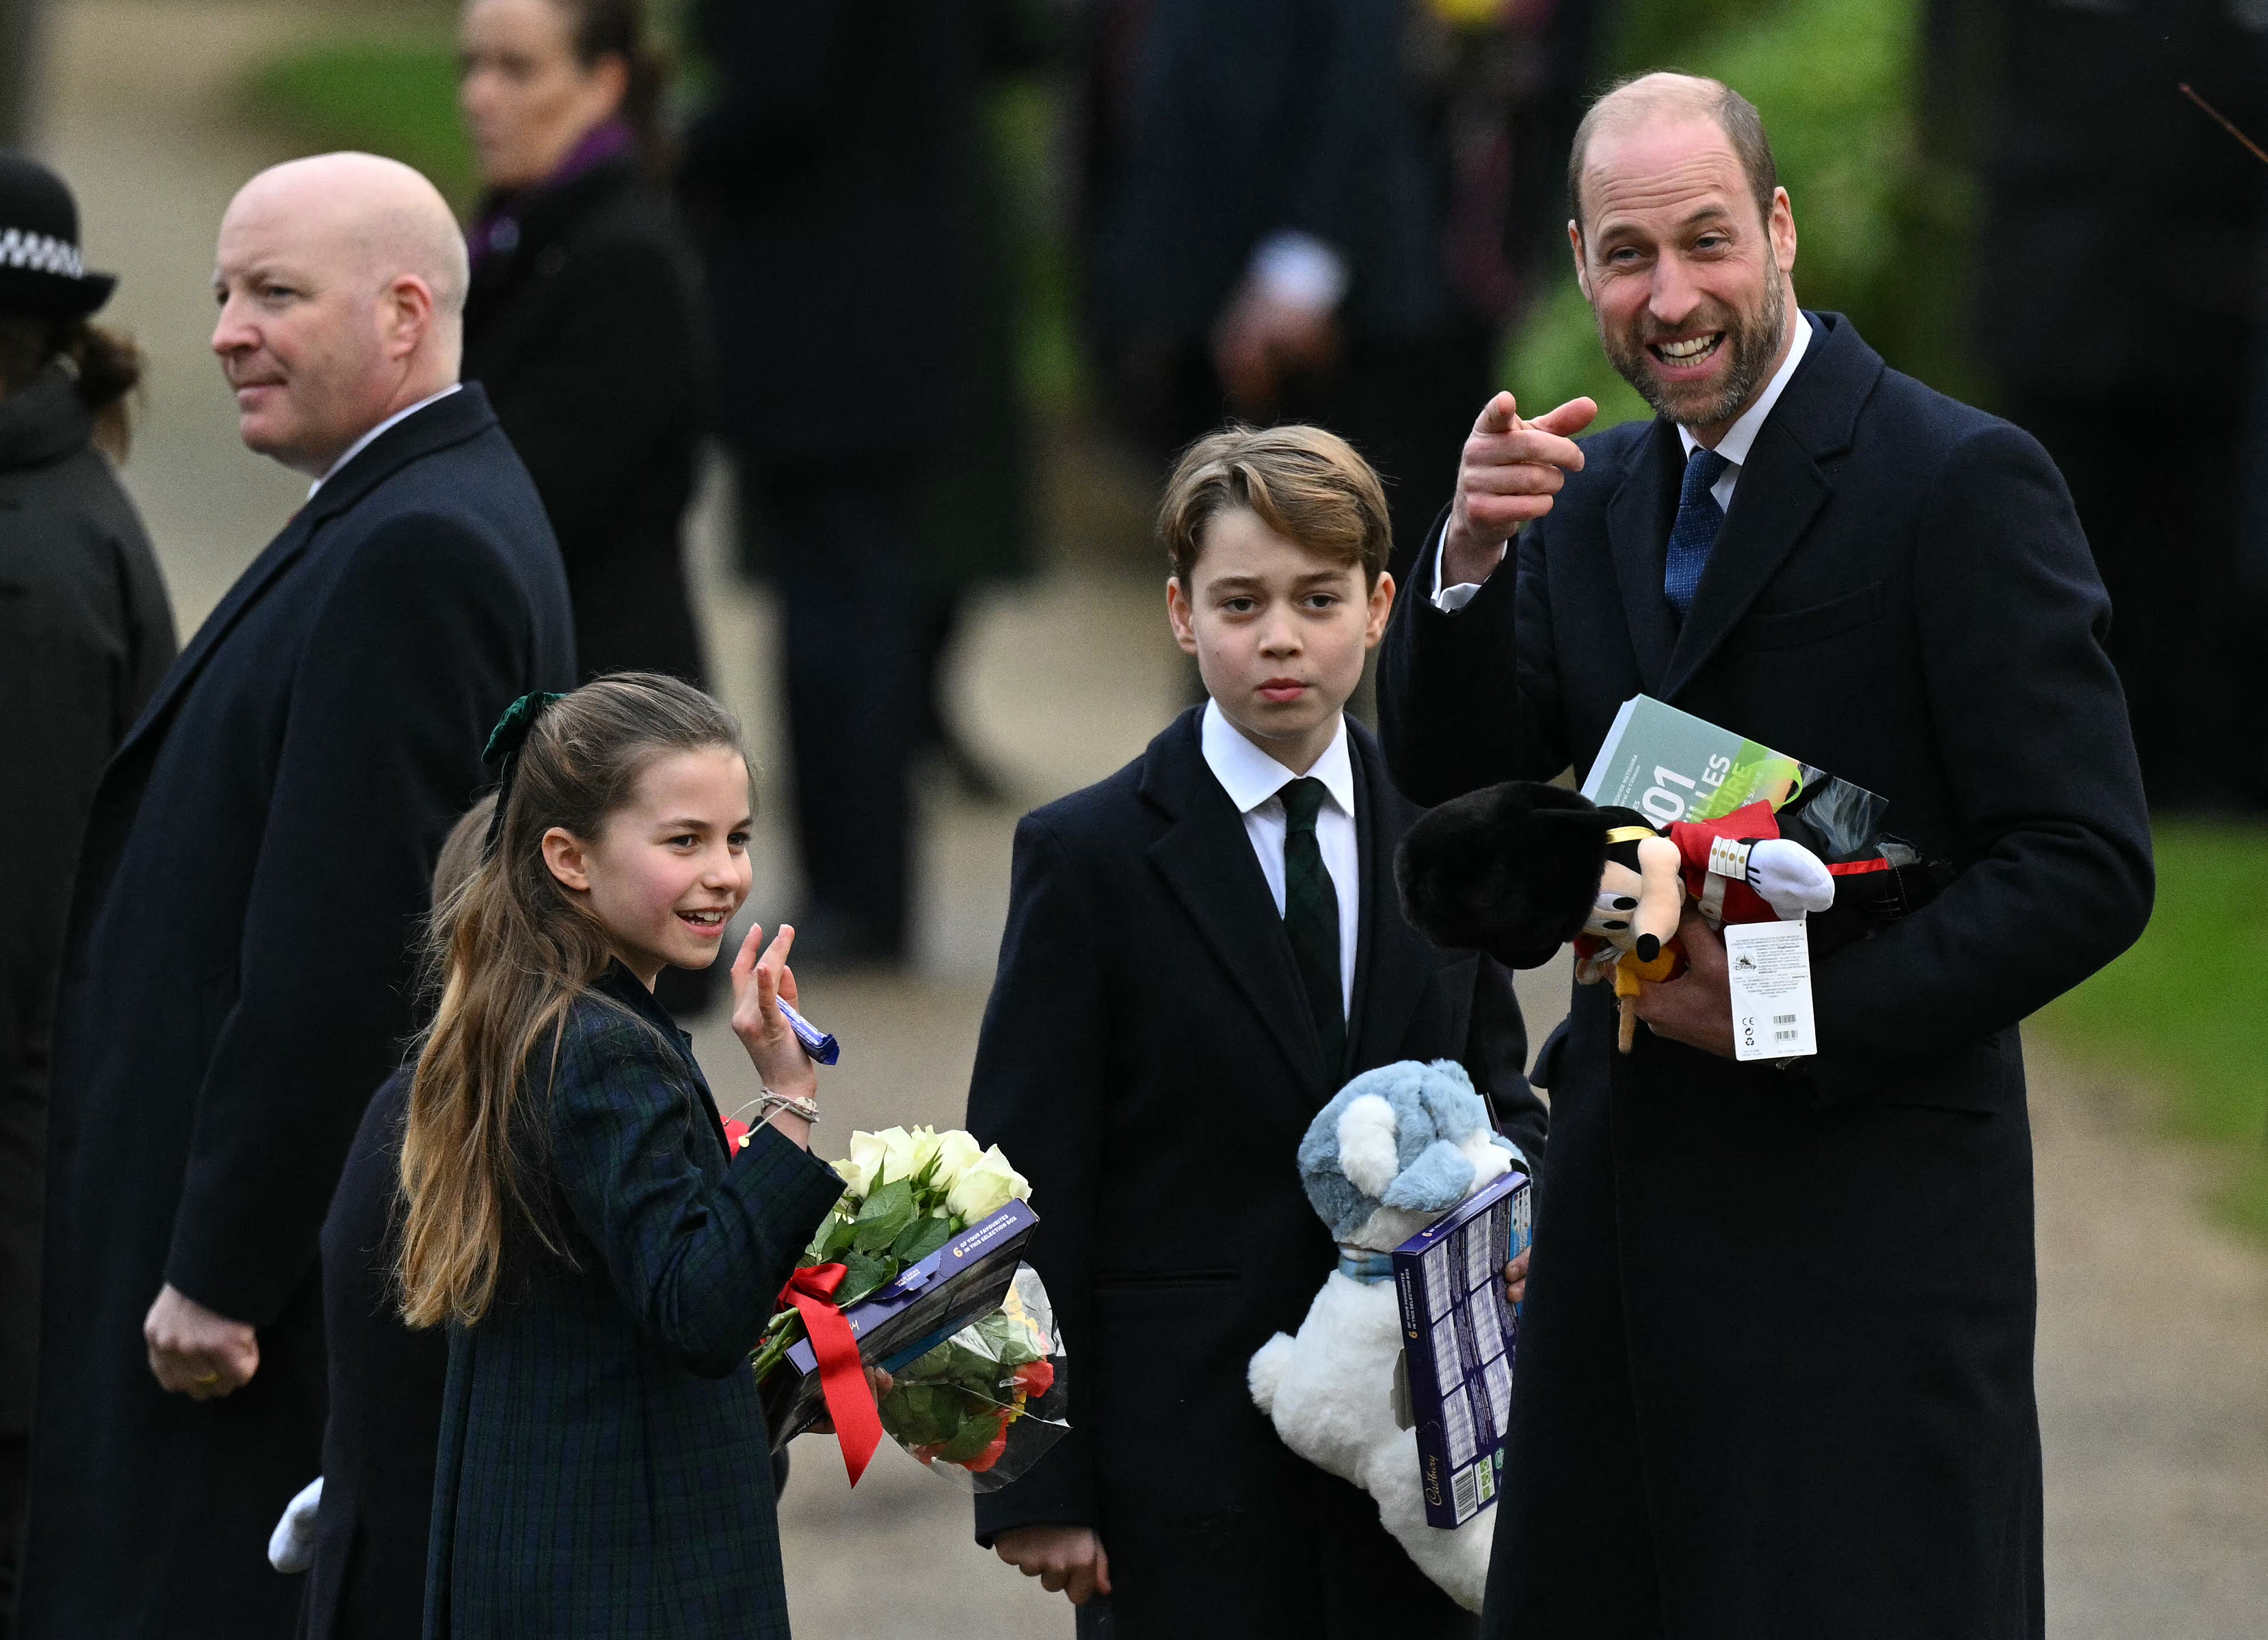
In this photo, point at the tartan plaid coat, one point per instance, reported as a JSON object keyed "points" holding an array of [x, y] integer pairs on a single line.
{"points": [[604, 1469]]}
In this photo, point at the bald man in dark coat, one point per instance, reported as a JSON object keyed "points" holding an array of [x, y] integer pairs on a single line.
{"points": [[238, 969]]}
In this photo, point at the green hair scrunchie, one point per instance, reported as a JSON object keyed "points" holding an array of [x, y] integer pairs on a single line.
{"points": [[511, 731], [503, 753]]}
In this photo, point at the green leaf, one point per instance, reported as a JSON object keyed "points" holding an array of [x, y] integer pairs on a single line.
{"points": [[885, 1217], [973, 1437], [863, 1273], [833, 1240], [922, 1237]]}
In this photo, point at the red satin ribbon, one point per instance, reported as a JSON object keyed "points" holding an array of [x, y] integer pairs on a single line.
{"points": [[842, 1378]]}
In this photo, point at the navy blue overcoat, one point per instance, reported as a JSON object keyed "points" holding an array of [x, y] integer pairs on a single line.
{"points": [[1776, 1360], [604, 1464]]}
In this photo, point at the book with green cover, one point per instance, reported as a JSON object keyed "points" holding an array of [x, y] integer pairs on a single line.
{"points": [[1670, 765]]}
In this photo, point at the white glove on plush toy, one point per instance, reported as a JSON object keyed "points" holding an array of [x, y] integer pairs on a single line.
{"points": [[1395, 1149], [291, 1545], [1791, 878]]}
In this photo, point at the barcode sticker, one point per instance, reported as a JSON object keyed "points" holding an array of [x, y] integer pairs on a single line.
{"points": [[1457, 1423], [1464, 1489], [1768, 970]]}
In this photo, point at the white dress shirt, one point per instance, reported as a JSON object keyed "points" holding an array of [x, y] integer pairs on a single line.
{"points": [[371, 437], [1253, 779], [1739, 439]]}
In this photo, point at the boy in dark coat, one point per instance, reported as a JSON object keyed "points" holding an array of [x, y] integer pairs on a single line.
{"points": [[1200, 951]]}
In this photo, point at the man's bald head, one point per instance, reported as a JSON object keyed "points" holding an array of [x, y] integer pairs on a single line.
{"points": [[1667, 97], [341, 284]]}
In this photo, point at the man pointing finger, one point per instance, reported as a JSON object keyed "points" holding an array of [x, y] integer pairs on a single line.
{"points": [[1776, 1359], [1511, 470]]}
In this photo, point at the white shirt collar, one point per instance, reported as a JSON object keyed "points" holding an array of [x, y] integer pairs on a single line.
{"points": [[1251, 776], [1735, 445], [368, 438]]}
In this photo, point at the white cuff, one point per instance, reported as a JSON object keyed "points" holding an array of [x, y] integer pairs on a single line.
{"points": [[1299, 270], [1449, 599]]}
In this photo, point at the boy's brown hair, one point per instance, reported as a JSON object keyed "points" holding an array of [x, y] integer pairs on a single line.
{"points": [[1305, 484]]}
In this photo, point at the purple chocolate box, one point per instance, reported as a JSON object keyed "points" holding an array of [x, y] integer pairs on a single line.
{"points": [[1458, 1336]]}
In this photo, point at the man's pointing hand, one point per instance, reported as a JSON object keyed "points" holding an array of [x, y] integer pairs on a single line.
{"points": [[1511, 470]]}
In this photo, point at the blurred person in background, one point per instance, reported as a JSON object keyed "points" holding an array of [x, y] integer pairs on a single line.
{"points": [[2118, 260], [840, 182], [258, 859], [585, 321], [85, 633], [1322, 212]]}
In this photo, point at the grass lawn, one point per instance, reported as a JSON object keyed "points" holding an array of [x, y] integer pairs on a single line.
{"points": [[396, 98], [2186, 1009]]}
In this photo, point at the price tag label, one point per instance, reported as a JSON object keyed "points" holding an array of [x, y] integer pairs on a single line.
{"points": [[1768, 965]]}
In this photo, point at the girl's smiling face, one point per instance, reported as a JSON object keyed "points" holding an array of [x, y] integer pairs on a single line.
{"points": [[669, 868]]}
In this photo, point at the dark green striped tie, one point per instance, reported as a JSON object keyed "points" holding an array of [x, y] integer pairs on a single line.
{"points": [[1311, 918]]}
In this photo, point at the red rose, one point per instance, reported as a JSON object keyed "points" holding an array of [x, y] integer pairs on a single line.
{"points": [[1035, 1378], [990, 1455]]}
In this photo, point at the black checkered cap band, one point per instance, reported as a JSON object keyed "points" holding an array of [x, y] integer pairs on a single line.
{"points": [[41, 252]]}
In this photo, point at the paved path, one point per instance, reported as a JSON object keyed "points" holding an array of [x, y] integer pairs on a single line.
{"points": [[2154, 1336]]}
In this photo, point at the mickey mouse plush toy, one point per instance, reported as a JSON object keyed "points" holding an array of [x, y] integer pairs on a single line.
{"points": [[1521, 869]]}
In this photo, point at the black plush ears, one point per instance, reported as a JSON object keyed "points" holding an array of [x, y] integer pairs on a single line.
{"points": [[1510, 870]]}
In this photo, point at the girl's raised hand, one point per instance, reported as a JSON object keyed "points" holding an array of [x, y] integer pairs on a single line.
{"points": [[759, 982]]}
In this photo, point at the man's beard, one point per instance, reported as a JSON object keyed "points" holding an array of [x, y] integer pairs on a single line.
{"points": [[1750, 346]]}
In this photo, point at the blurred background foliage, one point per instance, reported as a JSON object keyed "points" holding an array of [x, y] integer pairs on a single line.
{"points": [[1883, 203], [396, 97], [1881, 212]]}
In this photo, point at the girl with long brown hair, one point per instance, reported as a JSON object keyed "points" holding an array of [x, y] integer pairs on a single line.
{"points": [[604, 1264]]}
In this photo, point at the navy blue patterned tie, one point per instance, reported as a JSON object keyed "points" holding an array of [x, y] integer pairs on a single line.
{"points": [[1311, 917], [1692, 537]]}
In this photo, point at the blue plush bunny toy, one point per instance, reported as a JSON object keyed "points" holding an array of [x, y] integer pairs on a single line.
{"points": [[1393, 1151]]}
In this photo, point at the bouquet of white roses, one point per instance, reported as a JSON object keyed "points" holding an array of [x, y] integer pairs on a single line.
{"points": [[921, 1246]]}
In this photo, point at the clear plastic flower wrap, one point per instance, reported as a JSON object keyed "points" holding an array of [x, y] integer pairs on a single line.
{"points": [[985, 1405]]}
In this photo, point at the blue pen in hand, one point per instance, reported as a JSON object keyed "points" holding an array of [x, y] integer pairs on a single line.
{"points": [[818, 1043]]}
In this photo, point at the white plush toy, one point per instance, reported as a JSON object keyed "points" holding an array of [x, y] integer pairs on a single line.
{"points": [[1397, 1148]]}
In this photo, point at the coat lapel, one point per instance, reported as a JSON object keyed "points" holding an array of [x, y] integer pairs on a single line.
{"points": [[1639, 519], [1393, 962], [1782, 489], [278, 555], [1206, 860], [452, 420]]}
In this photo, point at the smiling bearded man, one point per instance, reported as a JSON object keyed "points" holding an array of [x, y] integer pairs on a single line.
{"points": [[237, 978], [1776, 1362]]}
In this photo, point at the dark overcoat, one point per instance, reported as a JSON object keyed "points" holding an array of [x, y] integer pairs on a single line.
{"points": [[604, 1465], [590, 337], [383, 1423], [236, 980], [1776, 1364], [85, 633], [1149, 1061]]}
